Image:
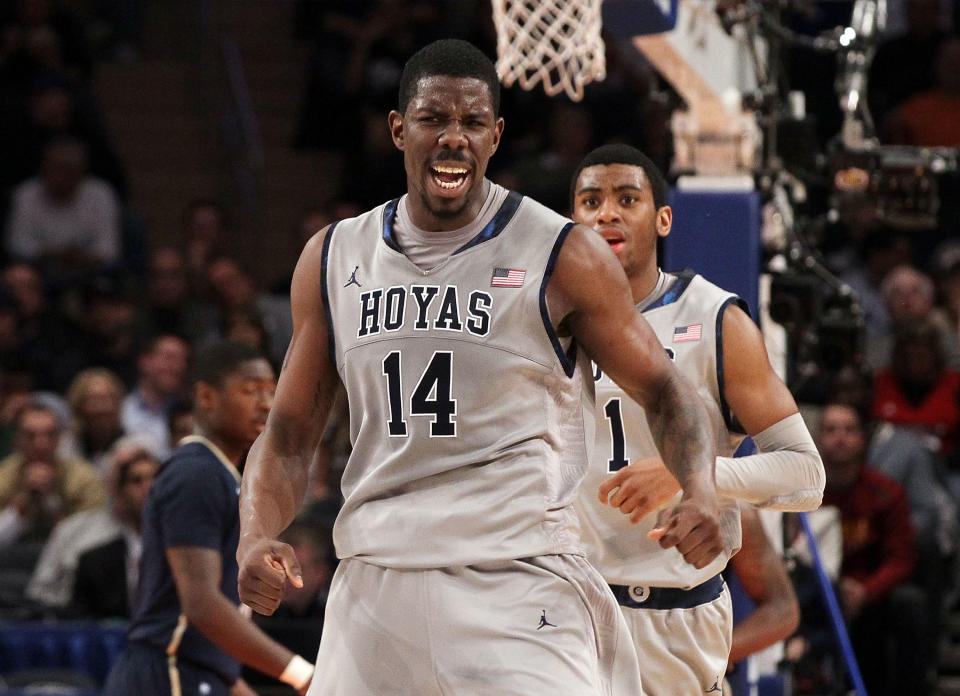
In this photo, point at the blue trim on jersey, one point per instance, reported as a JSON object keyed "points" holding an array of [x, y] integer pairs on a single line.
{"points": [[389, 215], [503, 216], [731, 421], [324, 255], [569, 365], [684, 278], [500, 220]]}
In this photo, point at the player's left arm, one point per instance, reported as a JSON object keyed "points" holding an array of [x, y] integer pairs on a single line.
{"points": [[764, 578], [787, 473]]}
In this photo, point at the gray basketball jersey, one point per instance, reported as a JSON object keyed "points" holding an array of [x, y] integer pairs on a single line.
{"points": [[467, 412], [687, 318]]}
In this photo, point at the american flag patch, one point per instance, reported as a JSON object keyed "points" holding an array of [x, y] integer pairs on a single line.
{"points": [[507, 278], [687, 333]]}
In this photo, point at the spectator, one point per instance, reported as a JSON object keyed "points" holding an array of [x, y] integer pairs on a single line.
{"points": [[314, 548], [903, 66], [38, 487], [64, 219], [180, 420], [545, 176], [11, 328], [918, 390], [234, 290], [899, 453], [946, 263], [49, 342], [55, 107], [932, 117], [169, 306], [879, 251], [89, 566], [162, 370], [104, 324], [311, 221], [16, 392], [884, 614], [94, 398], [205, 234], [910, 294]]}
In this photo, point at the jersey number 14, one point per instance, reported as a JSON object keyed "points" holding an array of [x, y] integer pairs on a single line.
{"points": [[431, 397]]}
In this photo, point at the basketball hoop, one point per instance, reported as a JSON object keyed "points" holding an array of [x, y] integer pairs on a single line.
{"points": [[556, 42]]}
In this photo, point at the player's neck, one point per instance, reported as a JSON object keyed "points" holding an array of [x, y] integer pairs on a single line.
{"points": [[232, 451], [644, 282]]}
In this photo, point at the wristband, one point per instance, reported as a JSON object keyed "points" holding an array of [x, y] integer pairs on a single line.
{"points": [[297, 673]]}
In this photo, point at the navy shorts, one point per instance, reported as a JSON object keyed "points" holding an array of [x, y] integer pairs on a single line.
{"points": [[146, 671]]}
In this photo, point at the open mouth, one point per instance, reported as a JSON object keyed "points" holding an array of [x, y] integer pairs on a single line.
{"points": [[449, 177], [614, 239]]}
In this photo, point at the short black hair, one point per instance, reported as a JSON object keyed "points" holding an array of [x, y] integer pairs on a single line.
{"points": [[219, 360], [619, 153], [451, 57]]}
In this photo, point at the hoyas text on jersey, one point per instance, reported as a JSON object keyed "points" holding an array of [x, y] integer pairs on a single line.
{"points": [[427, 306]]}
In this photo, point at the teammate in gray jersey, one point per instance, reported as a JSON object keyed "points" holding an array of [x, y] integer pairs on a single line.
{"points": [[679, 614], [458, 317]]}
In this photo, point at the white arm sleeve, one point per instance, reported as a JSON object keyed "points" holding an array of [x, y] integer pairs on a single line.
{"points": [[786, 475]]}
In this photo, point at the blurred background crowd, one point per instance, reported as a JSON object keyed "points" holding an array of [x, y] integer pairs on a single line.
{"points": [[162, 164]]}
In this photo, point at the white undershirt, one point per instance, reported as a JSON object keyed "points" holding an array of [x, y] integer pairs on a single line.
{"points": [[664, 283], [428, 249]]}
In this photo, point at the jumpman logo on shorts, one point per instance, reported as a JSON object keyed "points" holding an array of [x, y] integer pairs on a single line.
{"points": [[353, 279], [716, 687], [543, 620]]}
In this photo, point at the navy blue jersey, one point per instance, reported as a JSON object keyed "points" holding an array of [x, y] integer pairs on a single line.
{"points": [[193, 502]]}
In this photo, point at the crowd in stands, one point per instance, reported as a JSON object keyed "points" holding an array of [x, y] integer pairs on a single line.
{"points": [[98, 323]]}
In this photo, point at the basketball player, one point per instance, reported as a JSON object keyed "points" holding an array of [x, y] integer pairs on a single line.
{"points": [[680, 614], [458, 317], [187, 635]]}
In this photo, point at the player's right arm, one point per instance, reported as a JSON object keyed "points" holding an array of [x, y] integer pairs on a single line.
{"points": [[275, 476]]}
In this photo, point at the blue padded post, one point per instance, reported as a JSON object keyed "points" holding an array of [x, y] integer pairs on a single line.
{"points": [[836, 616], [717, 234]]}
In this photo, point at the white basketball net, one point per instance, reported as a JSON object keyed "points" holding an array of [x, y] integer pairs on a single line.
{"points": [[556, 42]]}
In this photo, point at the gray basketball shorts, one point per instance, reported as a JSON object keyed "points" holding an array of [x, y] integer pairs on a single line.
{"points": [[543, 625], [684, 650]]}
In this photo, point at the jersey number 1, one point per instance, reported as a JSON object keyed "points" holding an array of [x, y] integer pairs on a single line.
{"points": [[618, 459], [431, 397]]}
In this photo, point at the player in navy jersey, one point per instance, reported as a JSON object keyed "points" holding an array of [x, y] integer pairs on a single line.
{"points": [[188, 635]]}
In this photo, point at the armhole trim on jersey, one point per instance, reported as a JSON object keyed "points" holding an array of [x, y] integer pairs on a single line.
{"points": [[324, 293], [503, 216], [733, 425], [567, 358], [389, 216]]}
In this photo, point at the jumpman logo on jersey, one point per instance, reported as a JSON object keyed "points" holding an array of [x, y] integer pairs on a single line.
{"points": [[353, 279], [716, 687], [543, 620]]}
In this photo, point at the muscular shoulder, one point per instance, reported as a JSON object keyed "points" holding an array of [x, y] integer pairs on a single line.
{"points": [[584, 269]]}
